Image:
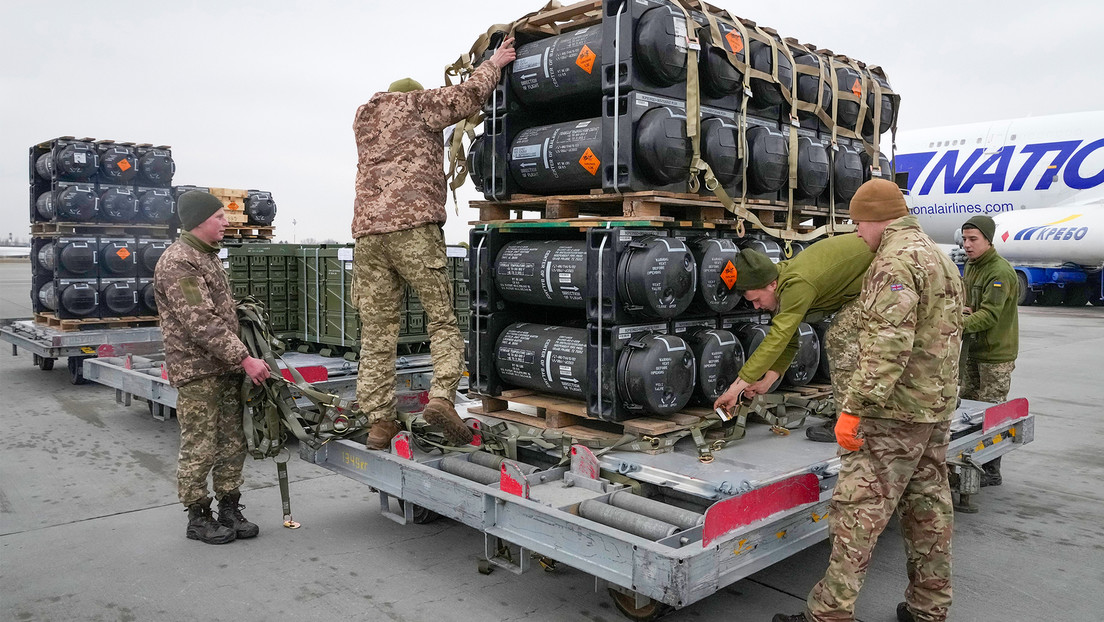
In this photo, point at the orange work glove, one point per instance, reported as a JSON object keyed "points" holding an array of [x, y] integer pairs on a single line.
{"points": [[847, 430]]}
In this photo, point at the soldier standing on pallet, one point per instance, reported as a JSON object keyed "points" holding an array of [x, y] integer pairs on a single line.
{"points": [[397, 219], [825, 278], [895, 418], [205, 360], [992, 329]]}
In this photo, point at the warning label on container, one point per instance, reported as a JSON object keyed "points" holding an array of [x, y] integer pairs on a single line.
{"points": [[232, 206], [856, 88], [735, 41], [585, 60], [124, 165], [728, 275], [123, 253], [590, 161]]}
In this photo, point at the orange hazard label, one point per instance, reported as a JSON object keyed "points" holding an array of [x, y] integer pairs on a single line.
{"points": [[585, 60], [122, 253], [856, 88], [590, 161], [232, 206], [728, 275], [735, 41], [124, 165]]}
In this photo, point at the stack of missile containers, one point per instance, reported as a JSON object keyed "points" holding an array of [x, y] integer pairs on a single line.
{"points": [[643, 321], [254, 209], [100, 215]]}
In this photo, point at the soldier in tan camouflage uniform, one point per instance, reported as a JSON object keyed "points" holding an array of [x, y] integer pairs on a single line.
{"points": [[894, 424], [205, 361], [397, 219]]}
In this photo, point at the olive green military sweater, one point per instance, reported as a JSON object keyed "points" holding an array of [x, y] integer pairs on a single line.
{"points": [[816, 283], [992, 331]]}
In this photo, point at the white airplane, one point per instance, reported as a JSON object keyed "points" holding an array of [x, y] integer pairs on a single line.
{"points": [[1042, 181]]}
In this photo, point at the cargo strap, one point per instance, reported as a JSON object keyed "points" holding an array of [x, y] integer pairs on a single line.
{"points": [[269, 411], [702, 168]]}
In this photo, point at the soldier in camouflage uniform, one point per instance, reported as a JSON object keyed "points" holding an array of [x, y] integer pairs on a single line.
{"points": [[397, 218], [894, 424], [205, 361], [992, 328], [825, 278]]}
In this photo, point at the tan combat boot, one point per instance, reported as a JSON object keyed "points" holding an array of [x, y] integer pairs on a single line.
{"points": [[440, 412], [379, 437]]}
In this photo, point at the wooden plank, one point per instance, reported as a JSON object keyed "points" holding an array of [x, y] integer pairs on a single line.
{"points": [[559, 419], [553, 403], [558, 208], [576, 431], [642, 209], [650, 426], [565, 13]]}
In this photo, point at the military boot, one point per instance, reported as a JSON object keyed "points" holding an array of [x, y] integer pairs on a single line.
{"points": [[230, 516], [823, 433], [903, 613], [202, 525], [440, 412], [379, 437], [992, 474], [781, 617]]}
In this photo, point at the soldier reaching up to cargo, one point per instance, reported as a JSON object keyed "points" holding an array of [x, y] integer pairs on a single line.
{"points": [[992, 329], [894, 424], [825, 278], [397, 218], [205, 361]]}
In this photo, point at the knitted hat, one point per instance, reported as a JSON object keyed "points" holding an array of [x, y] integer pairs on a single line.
{"points": [[754, 270], [196, 206], [404, 85], [877, 200], [984, 224]]}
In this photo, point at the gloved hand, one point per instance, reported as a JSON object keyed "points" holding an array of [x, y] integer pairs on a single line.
{"points": [[847, 430]]}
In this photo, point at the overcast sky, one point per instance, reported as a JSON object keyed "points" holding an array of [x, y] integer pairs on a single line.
{"points": [[262, 94]]}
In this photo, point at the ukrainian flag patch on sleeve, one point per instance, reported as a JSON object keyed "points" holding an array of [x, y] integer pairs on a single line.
{"points": [[997, 284]]}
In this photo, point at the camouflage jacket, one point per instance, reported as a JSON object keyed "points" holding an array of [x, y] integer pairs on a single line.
{"points": [[816, 283], [199, 320], [400, 183], [992, 292], [912, 300]]}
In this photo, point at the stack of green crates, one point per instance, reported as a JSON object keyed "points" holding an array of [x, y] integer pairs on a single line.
{"points": [[266, 272], [308, 291]]}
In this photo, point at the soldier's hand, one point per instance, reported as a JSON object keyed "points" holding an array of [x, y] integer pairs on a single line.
{"points": [[763, 386], [729, 398], [257, 370], [505, 54], [847, 432]]}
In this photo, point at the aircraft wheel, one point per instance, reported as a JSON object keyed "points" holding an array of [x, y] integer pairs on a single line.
{"points": [[1076, 296], [1051, 296]]}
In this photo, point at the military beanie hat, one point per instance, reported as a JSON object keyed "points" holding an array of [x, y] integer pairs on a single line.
{"points": [[196, 206], [984, 224], [878, 200], [404, 85], [754, 270]]}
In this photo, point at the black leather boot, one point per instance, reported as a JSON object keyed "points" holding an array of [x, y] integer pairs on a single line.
{"points": [[202, 525], [230, 516]]}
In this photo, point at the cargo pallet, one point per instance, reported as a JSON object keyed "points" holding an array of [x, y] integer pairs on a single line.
{"points": [[47, 344], [659, 208], [246, 232], [763, 499], [129, 321], [54, 229]]}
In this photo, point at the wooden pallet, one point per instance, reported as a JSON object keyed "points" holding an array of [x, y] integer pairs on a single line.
{"points": [[133, 321], [250, 232], [653, 206], [563, 19], [54, 229]]}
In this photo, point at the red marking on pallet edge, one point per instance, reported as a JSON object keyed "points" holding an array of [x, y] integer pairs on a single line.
{"points": [[311, 374], [729, 515], [513, 481], [400, 445], [1003, 413]]}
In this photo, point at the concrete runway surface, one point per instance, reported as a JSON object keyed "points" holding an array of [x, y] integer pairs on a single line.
{"points": [[90, 526]]}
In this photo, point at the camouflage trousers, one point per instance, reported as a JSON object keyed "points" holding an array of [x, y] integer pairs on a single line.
{"points": [[903, 467], [841, 342], [985, 382], [209, 411], [382, 264]]}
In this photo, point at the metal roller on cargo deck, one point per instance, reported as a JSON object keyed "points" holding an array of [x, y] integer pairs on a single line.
{"points": [[491, 461], [679, 517], [475, 472], [625, 520]]}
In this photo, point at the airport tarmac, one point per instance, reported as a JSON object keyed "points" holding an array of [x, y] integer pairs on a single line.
{"points": [[90, 526]]}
